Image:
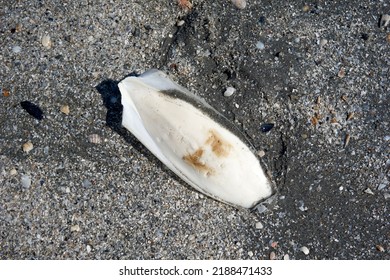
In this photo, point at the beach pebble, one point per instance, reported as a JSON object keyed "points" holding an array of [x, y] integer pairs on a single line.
{"points": [[380, 248], [259, 225], [241, 4], [46, 41], [25, 180], [229, 91], [13, 172], [381, 187], [180, 23], [260, 45], [27, 147], [16, 49], [384, 21], [86, 183], [305, 250], [65, 109], [261, 153], [323, 42], [369, 191], [75, 228], [286, 257], [89, 249], [250, 254], [272, 255]]}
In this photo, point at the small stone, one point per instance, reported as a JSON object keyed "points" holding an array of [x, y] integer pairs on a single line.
{"points": [[323, 42], [241, 4], [25, 180], [386, 196], [261, 153], [5, 92], [65, 109], [261, 208], [67, 190], [229, 91], [13, 172], [46, 41], [16, 49], [306, 8], [272, 255], [259, 225], [180, 23], [384, 21], [27, 147], [86, 183], [305, 250], [89, 249], [388, 38], [250, 254], [286, 257], [95, 139], [369, 191], [341, 73], [380, 248], [18, 27], [386, 138], [381, 187], [185, 4], [75, 228], [260, 45]]}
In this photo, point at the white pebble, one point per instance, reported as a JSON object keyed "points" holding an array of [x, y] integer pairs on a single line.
{"points": [[259, 225], [261, 153], [95, 138], [272, 255], [241, 4], [286, 257], [75, 228], [381, 187], [260, 45], [25, 180], [305, 250], [384, 21], [386, 138], [27, 147], [13, 172], [89, 249], [180, 23], [46, 41], [386, 195], [250, 254], [16, 49], [323, 42], [369, 191], [229, 91]]}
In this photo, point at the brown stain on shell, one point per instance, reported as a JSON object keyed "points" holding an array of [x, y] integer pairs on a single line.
{"points": [[219, 147], [194, 160]]}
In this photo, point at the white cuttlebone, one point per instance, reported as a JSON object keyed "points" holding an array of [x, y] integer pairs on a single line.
{"points": [[173, 128]]}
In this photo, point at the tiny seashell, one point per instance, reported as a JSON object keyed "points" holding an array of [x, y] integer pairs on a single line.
{"points": [[380, 248], [265, 127], [185, 4], [306, 8], [5, 92], [27, 147], [350, 116], [261, 153], [384, 20], [65, 109], [229, 91], [46, 41], [95, 139], [346, 141], [305, 250], [241, 4], [18, 27]]}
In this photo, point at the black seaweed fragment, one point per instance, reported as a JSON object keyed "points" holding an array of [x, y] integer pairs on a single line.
{"points": [[32, 109]]}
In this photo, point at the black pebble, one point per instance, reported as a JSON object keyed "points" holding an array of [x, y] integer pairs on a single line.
{"points": [[32, 109], [265, 127]]}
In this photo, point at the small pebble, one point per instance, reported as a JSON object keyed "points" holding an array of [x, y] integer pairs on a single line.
{"points": [[75, 228], [266, 127], [369, 191], [25, 180], [250, 254], [261, 208], [241, 4], [261, 153], [323, 42], [386, 138], [46, 41], [260, 45], [381, 187], [306, 8], [185, 4], [16, 49], [180, 23], [65, 109], [18, 27], [388, 38], [305, 250], [86, 183], [259, 225], [286, 257], [5, 92], [13, 172], [341, 73], [386, 196], [27, 147], [384, 20], [95, 139], [272, 255], [229, 91], [89, 249]]}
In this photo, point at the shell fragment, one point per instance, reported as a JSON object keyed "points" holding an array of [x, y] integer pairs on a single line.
{"points": [[193, 140]]}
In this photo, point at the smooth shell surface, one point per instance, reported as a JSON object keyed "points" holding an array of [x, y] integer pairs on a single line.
{"points": [[192, 139]]}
